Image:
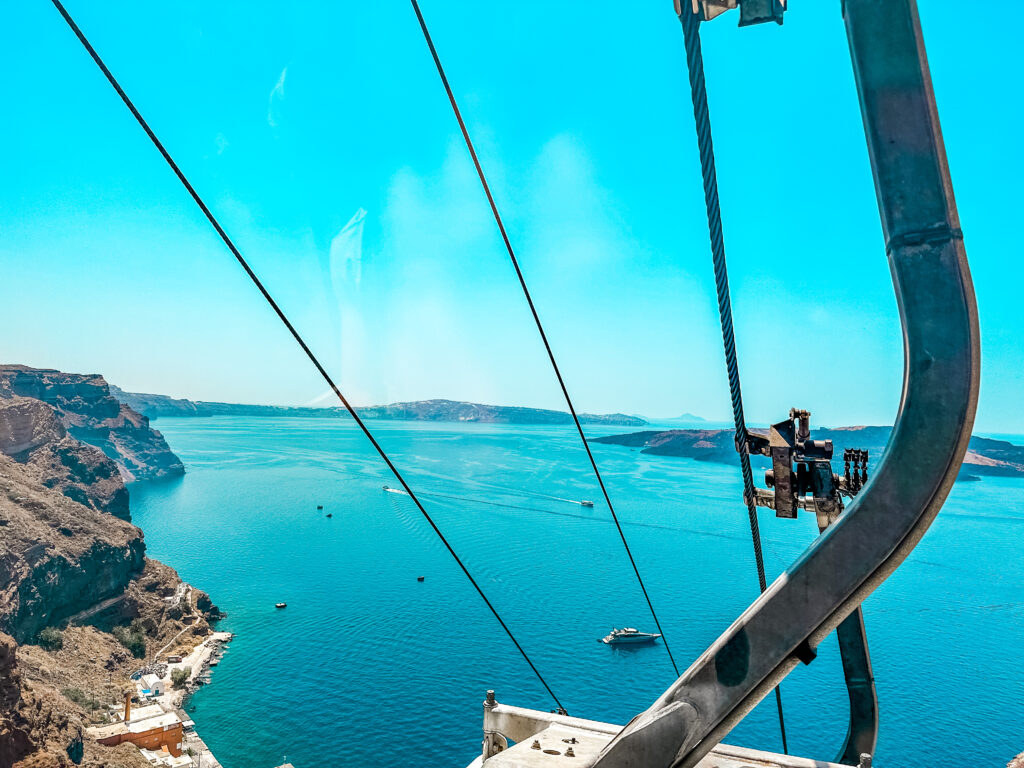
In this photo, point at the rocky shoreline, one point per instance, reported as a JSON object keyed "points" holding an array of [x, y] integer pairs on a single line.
{"points": [[212, 652]]}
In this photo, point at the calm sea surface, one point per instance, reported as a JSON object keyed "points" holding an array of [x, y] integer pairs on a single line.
{"points": [[368, 666]]}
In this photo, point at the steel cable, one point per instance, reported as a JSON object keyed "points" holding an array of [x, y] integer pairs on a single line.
{"points": [[698, 92], [536, 318], [295, 334]]}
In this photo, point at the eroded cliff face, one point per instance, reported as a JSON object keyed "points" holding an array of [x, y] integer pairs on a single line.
{"points": [[89, 413], [15, 730], [57, 556], [35, 730], [32, 433]]}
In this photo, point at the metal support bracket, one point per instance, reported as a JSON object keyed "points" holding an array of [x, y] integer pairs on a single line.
{"points": [[941, 371]]}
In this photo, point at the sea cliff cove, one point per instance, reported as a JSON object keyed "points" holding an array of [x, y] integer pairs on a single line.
{"points": [[86, 618]]}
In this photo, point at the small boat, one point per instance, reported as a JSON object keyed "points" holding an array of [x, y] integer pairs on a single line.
{"points": [[280, 605], [628, 636], [319, 506], [329, 515], [420, 578], [586, 503]]}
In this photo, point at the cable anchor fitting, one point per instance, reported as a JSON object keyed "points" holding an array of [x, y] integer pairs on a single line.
{"points": [[801, 475]]}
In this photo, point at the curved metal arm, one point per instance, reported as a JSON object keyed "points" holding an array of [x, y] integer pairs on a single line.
{"points": [[940, 389]]}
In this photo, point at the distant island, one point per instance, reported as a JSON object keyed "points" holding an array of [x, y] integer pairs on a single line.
{"points": [[984, 455], [687, 418], [155, 406]]}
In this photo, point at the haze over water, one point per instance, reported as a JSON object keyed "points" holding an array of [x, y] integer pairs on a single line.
{"points": [[368, 666]]}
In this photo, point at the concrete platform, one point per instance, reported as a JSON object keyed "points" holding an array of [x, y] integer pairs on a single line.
{"points": [[524, 738]]}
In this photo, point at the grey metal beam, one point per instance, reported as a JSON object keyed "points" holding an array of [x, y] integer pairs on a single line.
{"points": [[938, 314], [862, 732]]}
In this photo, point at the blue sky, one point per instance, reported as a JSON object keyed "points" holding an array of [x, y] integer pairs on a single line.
{"points": [[320, 135]]}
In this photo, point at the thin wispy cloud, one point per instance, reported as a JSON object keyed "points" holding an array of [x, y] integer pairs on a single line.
{"points": [[275, 100], [221, 142], [441, 244]]}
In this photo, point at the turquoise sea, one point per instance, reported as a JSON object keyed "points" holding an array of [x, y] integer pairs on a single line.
{"points": [[368, 666]]}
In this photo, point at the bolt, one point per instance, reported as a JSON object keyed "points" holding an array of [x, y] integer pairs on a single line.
{"points": [[536, 744], [490, 702], [570, 753], [865, 760]]}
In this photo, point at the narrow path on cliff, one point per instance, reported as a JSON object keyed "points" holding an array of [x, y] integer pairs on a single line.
{"points": [[98, 608]]}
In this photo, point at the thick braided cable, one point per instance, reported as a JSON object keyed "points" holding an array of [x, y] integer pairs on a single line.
{"points": [[695, 66]]}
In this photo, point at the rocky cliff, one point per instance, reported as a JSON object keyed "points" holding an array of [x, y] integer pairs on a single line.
{"points": [[64, 561], [15, 728], [32, 433], [72, 568], [155, 406], [57, 556], [41, 728], [89, 413]]}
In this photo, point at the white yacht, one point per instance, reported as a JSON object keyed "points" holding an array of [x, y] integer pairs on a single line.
{"points": [[628, 635]]}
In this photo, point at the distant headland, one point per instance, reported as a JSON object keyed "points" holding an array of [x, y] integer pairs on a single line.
{"points": [[155, 406], [984, 455]]}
